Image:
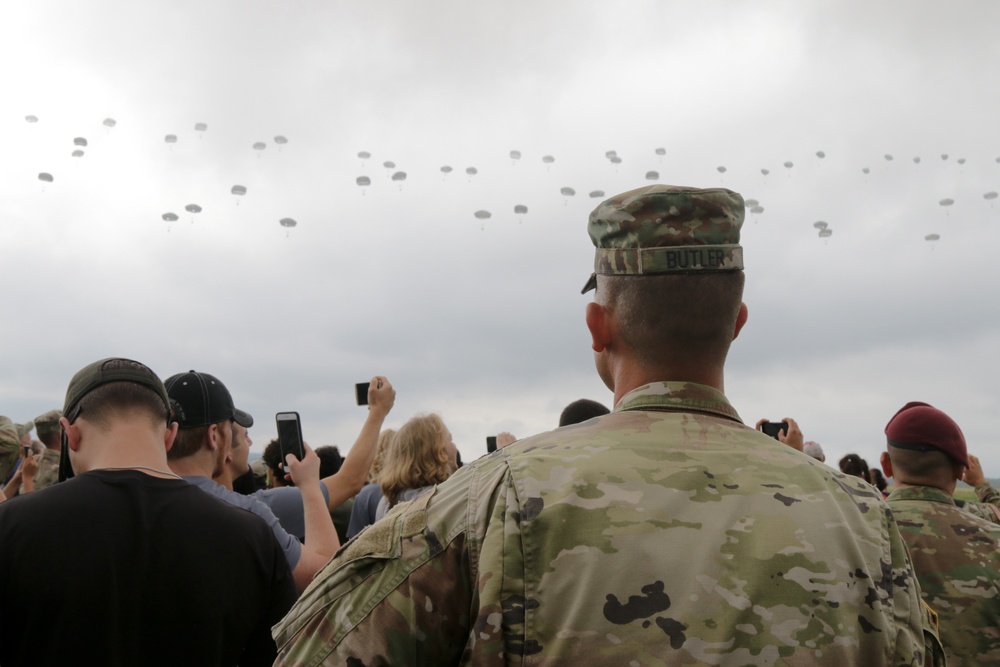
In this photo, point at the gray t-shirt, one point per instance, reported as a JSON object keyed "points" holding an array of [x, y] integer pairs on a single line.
{"points": [[291, 547], [286, 503]]}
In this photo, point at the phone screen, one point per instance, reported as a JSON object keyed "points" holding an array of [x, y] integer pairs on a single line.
{"points": [[361, 389], [290, 435], [491, 443], [773, 428]]}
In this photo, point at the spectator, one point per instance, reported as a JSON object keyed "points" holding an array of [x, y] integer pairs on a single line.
{"points": [[10, 448], [48, 429], [210, 426], [422, 454], [275, 468], [815, 450], [330, 462], [366, 502], [988, 506], [666, 532], [152, 571], [852, 464], [956, 555], [580, 411]]}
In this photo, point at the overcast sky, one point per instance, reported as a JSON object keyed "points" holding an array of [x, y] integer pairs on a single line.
{"points": [[481, 320]]}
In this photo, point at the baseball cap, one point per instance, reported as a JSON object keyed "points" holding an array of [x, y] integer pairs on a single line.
{"points": [[813, 449], [667, 229], [200, 399], [922, 427], [105, 371], [25, 428]]}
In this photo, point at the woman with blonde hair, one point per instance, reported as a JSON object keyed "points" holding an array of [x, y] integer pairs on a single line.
{"points": [[421, 455]]}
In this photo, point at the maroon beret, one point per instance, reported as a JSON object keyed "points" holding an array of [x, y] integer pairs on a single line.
{"points": [[921, 427]]}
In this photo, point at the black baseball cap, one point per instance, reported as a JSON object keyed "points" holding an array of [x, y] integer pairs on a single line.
{"points": [[200, 399], [105, 371]]}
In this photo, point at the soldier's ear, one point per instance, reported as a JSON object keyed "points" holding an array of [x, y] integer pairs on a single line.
{"points": [[886, 464], [741, 319], [600, 325]]}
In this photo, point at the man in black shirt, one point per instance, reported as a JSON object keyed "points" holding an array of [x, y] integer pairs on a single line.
{"points": [[125, 563]]}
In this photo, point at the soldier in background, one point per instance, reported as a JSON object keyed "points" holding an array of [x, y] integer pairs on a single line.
{"points": [[48, 430], [666, 532], [956, 555]]}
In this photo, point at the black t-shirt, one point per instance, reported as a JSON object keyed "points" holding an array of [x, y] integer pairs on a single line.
{"points": [[122, 568]]}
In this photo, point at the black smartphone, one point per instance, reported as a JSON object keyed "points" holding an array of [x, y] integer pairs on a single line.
{"points": [[491, 443], [290, 435], [361, 391], [773, 428], [27, 451]]}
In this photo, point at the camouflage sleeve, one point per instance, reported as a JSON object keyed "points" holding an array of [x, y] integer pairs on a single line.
{"points": [[987, 494], [401, 592], [983, 510]]}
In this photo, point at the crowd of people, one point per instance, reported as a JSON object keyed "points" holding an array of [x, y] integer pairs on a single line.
{"points": [[663, 531]]}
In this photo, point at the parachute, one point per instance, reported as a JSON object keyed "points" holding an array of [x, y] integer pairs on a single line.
{"points": [[45, 177], [888, 157], [31, 119], [259, 146], [825, 233], [756, 210], [515, 155], [238, 190], [364, 155], [751, 203], [399, 176], [280, 140], [109, 122], [363, 181], [170, 138], [961, 160], [446, 169], [77, 153], [721, 169], [170, 217], [520, 209], [548, 159], [946, 202], [916, 160], [789, 164], [471, 171], [944, 156], [819, 224], [820, 154], [661, 151], [200, 127], [287, 222], [765, 171], [652, 175], [192, 208], [567, 192], [864, 170], [80, 141], [483, 215], [596, 193], [611, 154], [388, 164], [616, 160], [990, 195], [932, 237]]}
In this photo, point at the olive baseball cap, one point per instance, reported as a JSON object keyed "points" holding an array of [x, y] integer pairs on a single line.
{"points": [[200, 399], [922, 427], [667, 229], [105, 371]]}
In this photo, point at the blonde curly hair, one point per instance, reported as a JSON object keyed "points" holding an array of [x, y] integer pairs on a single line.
{"points": [[417, 456]]}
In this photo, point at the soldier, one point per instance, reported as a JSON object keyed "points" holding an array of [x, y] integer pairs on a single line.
{"points": [[10, 448], [666, 532], [48, 430], [956, 555]]}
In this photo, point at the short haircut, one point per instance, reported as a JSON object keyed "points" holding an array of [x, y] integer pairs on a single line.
{"points": [[417, 457], [933, 466], [670, 318], [119, 399], [49, 434], [580, 411], [187, 442], [272, 456], [330, 460]]}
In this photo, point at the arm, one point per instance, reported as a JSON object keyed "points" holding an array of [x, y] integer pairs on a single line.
{"points": [[352, 475], [974, 477], [10, 490], [321, 537], [29, 468]]}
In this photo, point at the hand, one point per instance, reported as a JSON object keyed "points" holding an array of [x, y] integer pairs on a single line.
{"points": [[504, 438], [381, 395], [794, 437], [30, 466], [973, 475], [302, 472]]}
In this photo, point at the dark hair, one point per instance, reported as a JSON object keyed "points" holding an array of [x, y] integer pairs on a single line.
{"points": [[49, 434], [666, 318], [877, 479], [272, 456], [100, 404], [580, 411], [852, 464], [330, 460]]}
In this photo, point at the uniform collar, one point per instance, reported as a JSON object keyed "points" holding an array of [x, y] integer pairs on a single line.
{"points": [[930, 493], [679, 397]]}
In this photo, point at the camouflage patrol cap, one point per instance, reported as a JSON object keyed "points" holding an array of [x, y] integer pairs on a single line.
{"points": [[109, 370], [47, 422], [8, 432], [921, 427], [667, 229], [25, 428]]}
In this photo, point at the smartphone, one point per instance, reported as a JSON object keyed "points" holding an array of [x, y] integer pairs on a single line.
{"points": [[27, 451], [361, 390], [773, 428], [491, 443], [290, 435]]}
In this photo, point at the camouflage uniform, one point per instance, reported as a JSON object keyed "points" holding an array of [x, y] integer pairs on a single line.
{"points": [[10, 448], [664, 533], [957, 560], [48, 469]]}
